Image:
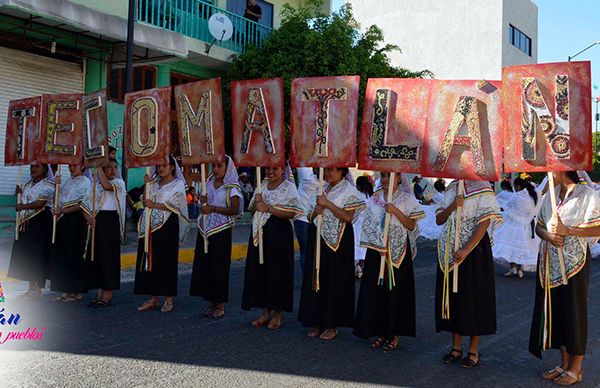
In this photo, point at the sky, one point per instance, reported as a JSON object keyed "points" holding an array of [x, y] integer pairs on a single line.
{"points": [[564, 28]]}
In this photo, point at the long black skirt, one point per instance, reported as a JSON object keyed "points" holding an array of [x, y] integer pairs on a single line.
{"points": [[104, 272], [271, 285], [164, 244], [333, 305], [67, 254], [210, 274], [473, 308], [30, 257], [382, 312], [569, 314]]}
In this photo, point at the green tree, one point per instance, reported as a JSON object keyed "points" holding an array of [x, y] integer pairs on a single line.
{"points": [[312, 44]]}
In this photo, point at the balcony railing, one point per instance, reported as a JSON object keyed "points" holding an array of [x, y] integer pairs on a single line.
{"points": [[190, 18]]}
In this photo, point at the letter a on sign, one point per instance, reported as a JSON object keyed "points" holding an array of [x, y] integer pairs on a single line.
{"points": [[323, 121], [61, 133], [200, 121], [393, 124], [147, 127], [464, 134], [257, 113], [548, 117], [22, 131]]}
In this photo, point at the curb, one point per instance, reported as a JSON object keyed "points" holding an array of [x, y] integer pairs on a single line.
{"points": [[186, 255]]}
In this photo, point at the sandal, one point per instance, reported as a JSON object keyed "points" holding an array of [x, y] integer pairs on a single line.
{"points": [[314, 332], [260, 321], [217, 313], [574, 378], [450, 358], [93, 302], [167, 307], [378, 343], [391, 345], [72, 298], [208, 311], [274, 324], [470, 364], [553, 373], [148, 305], [102, 303], [329, 334]]}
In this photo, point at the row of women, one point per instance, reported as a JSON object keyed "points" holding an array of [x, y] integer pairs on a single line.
{"points": [[386, 303]]}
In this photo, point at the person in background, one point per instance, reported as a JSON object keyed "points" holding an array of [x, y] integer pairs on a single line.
{"points": [[417, 189], [307, 190], [506, 191], [192, 202], [515, 242], [253, 11], [134, 201], [365, 186], [246, 187], [428, 228]]}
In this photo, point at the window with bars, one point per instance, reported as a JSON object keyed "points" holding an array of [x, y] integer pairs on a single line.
{"points": [[144, 77]]}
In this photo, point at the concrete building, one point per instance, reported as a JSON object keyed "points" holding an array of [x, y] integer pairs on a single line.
{"points": [[75, 46], [457, 39]]}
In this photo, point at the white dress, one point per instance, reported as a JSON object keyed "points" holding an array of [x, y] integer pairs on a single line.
{"points": [[503, 197], [513, 240], [427, 226]]}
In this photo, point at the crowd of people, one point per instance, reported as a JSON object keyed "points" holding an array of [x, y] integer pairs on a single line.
{"points": [[348, 218]]}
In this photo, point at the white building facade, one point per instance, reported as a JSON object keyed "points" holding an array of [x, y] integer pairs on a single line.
{"points": [[455, 39]]}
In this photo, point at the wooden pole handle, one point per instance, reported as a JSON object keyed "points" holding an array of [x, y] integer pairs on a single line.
{"points": [[460, 191], [318, 242], [204, 222], [261, 256]]}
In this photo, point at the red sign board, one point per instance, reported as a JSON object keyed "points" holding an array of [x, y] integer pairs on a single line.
{"points": [[22, 131]]}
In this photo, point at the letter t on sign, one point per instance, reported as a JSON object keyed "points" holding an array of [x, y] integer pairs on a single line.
{"points": [[323, 96]]}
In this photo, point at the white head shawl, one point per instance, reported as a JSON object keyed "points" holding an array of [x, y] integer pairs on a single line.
{"points": [[178, 173]]}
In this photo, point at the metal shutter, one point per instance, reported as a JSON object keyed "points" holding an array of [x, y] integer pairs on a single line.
{"points": [[25, 75]]}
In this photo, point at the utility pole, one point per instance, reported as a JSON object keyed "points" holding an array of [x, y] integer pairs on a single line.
{"points": [[128, 71]]}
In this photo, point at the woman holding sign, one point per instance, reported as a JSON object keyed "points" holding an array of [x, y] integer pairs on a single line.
{"points": [[560, 310], [107, 217], [71, 234], [29, 259], [223, 201], [472, 310], [332, 305], [387, 310], [156, 272], [270, 285]]}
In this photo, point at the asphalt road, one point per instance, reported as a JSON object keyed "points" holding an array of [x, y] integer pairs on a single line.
{"points": [[119, 346]]}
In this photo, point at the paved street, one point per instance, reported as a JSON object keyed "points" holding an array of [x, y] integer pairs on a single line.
{"points": [[119, 346]]}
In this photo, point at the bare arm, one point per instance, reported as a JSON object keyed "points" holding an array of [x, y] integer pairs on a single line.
{"points": [[106, 185], [31, 206], [583, 232], [476, 237], [407, 222], [231, 210]]}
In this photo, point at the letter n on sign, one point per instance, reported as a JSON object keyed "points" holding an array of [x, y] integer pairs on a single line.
{"points": [[147, 134], [393, 124], [22, 131], [323, 121], [548, 117], [257, 118], [464, 133]]}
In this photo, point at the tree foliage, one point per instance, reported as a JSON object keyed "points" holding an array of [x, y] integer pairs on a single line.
{"points": [[312, 44]]}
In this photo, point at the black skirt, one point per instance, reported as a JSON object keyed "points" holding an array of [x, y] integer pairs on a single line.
{"points": [[382, 312], [569, 314], [105, 271], [67, 254], [30, 256], [164, 244], [333, 305], [473, 308], [210, 274], [271, 285]]}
